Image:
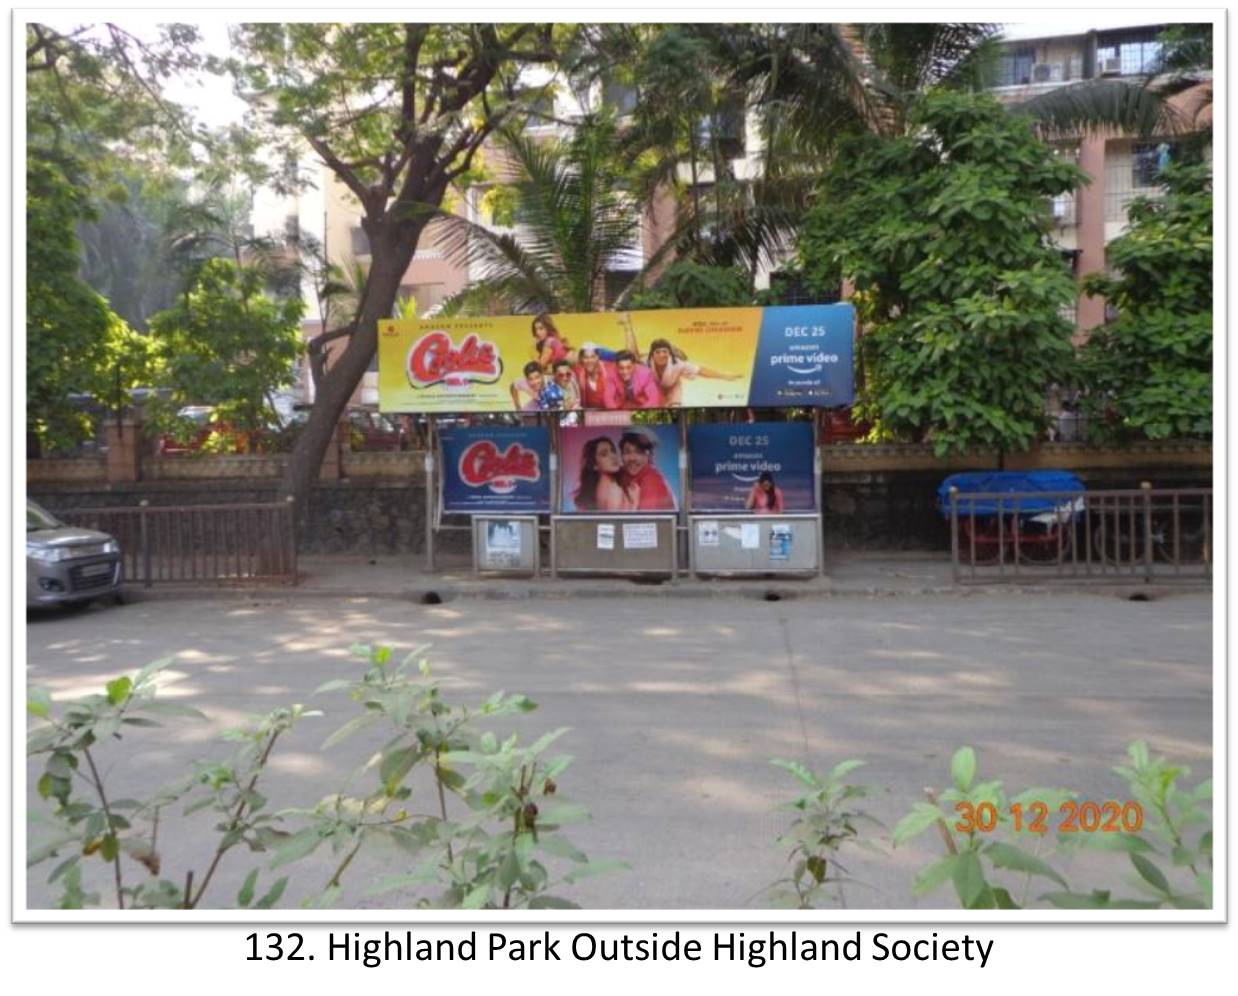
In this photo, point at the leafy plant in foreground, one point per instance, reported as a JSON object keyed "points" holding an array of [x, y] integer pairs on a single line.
{"points": [[497, 853], [976, 860], [827, 822], [97, 823], [1172, 815], [503, 848]]}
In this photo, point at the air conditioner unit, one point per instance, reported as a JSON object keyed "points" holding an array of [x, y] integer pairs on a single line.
{"points": [[1046, 72], [1111, 66]]}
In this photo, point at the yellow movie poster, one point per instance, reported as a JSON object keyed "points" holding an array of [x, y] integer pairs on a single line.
{"points": [[625, 360]]}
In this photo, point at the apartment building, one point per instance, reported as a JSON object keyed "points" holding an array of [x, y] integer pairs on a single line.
{"points": [[1121, 167]]}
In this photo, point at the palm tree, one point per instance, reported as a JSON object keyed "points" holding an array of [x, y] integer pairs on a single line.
{"points": [[576, 217]]}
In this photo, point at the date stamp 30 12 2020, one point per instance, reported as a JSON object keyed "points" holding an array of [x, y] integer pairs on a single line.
{"points": [[1077, 817]]}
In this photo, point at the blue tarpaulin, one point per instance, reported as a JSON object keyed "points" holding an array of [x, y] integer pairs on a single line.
{"points": [[1057, 484]]}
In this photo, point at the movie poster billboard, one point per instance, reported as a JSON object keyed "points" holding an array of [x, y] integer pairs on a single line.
{"points": [[496, 469], [619, 361], [619, 469], [763, 468]]}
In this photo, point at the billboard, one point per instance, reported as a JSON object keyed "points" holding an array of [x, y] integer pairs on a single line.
{"points": [[761, 467], [619, 468], [618, 361], [496, 469]]}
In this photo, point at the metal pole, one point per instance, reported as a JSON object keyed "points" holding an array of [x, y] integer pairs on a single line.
{"points": [[1146, 488], [144, 541], [954, 533], [431, 510], [684, 487], [818, 478], [292, 535]]}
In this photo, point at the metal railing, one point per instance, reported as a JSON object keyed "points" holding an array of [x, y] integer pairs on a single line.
{"points": [[183, 543], [1142, 534]]}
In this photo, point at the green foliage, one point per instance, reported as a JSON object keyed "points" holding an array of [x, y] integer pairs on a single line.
{"points": [[827, 821], [685, 284], [504, 848], [979, 862], [125, 248], [1185, 48], [1149, 372], [226, 344], [1171, 858], [945, 232], [75, 344], [500, 852]]}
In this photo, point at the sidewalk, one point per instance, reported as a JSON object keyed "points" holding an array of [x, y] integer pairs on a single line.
{"points": [[404, 578]]}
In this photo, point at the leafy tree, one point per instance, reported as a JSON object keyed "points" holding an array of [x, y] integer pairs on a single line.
{"points": [[68, 325], [945, 233], [1149, 372], [685, 284], [397, 112], [125, 253], [92, 105], [225, 344]]}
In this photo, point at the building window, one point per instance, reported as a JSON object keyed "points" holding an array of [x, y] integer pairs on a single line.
{"points": [[1132, 170], [360, 241], [292, 228], [1014, 67], [540, 105], [621, 97], [1147, 161], [727, 127], [1137, 53], [614, 283]]}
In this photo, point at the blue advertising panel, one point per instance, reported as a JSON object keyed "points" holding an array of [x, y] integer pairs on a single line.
{"points": [[761, 467], [803, 357], [496, 469]]}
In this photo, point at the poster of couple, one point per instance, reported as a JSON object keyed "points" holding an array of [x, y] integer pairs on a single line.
{"points": [[620, 468]]}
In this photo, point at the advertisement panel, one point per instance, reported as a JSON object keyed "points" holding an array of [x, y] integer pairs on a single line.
{"points": [[804, 357], [619, 468], [496, 469], [618, 361], [761, 467]]}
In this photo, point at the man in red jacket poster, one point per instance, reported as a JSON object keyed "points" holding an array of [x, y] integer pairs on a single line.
{"points": [[639, 474]]}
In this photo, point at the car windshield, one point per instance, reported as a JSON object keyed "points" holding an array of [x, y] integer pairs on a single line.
{"points": [[39, 518]]}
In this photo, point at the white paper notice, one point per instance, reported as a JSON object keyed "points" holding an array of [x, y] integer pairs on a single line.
{"points": [[640, 535], [750, 535], [606, 535], [503, 544], [707, 533]]}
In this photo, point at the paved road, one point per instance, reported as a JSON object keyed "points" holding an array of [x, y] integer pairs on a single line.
{"points": [[676, 707]]}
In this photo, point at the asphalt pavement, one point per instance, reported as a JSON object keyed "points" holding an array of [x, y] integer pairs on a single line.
{"points": [[676, 706]]}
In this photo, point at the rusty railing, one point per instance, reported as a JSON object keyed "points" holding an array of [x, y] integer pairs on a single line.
{"points": [[1143, 534], [180, 543]]}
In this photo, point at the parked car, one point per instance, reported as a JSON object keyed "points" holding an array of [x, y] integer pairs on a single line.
{"points": [[201, 425], [66, 565], [370, 430]]}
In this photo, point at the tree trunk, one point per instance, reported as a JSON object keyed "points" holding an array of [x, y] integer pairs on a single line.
{"points": [[392, 252]]}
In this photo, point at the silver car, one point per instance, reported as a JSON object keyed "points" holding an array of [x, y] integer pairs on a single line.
{"points": [[66, 565]]}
